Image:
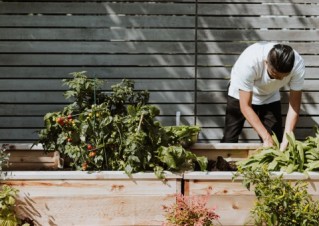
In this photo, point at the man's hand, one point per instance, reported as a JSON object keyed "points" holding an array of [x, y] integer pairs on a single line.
{"points": [[283, 146], [268, 141]]}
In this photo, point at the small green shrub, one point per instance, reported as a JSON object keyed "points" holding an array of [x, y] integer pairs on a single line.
{"points": [[115, 131], [279, 202], [190, 210]]}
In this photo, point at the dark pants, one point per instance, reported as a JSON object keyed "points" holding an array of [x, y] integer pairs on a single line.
{"points": [[269, 115]]}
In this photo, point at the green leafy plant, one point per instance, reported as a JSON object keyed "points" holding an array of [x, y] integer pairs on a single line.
{"points": [[190, 210], [114, 131], [300, 156], [184, 135], [279, 202], [8, 195]]}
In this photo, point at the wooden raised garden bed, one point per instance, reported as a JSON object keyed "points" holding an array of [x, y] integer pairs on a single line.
{"points": [[98, 198], [58, 197], [54, 196], [232, 199]]}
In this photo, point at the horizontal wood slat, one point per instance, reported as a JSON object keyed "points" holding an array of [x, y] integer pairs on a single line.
{"points": [[258, 35], [102, 8], [224, 72], [102, 21], [258, 22], [57, 97], [57, 85], [258, 9], [97, 34], [95, 60], [215, 109], [29, 109], [220, 97], [96, 47], [102, 72], [229, 60], [237, 47]]}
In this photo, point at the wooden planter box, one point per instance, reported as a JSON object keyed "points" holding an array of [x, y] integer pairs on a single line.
{"points": [[29, 157], [98, 198], [55, 197], [232, 199]]}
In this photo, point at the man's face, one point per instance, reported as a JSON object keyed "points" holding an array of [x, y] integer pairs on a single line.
{"points": [[273, 74]]}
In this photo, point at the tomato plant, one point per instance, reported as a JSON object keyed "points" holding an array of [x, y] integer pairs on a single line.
{"points": [[114, 131]]}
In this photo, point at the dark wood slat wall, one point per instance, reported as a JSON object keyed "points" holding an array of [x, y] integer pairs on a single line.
{"points": [[157, 44]]}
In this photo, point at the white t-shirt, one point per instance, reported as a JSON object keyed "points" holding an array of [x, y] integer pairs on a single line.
{"points": [[250, 74]]}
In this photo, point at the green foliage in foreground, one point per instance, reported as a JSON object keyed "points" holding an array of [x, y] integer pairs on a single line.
{"points": [[8, 195], [298, 157], [116, 131], [279, 202]]}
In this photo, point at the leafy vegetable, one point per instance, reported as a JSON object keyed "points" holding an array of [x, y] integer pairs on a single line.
{"points": [[299, 156]]}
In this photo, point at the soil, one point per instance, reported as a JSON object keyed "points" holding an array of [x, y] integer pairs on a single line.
{"points": [[219, 165]]}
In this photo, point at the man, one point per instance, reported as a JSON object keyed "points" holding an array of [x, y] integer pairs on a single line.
{"points": [[253, 95]]}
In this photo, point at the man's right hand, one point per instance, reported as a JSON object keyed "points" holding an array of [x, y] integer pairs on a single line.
{"points": [[268, 141]]}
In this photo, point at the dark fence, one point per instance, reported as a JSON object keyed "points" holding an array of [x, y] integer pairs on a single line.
{"points": [[181, 51]]}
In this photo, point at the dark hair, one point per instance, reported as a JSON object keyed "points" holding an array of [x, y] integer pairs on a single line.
{"points": [[281, 58]]}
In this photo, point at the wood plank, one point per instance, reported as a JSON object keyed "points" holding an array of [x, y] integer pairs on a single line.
{"points": [[102, 8], [248, 134], [232, 199], [262, 1], [95, 60], [57, 84], [258, 9], [45, 97], [101, 21], [33, 110], [238, 47], [229, 60], [258, 22], [224, 72], [219, 121], [220, 97], [96, 47], [213, 109], [97, 34], [41, 200], [222, 84], [100, 72], [257, 35]]}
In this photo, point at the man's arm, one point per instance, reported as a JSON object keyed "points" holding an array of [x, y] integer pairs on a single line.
{"points": [[292, 115], [245, 99]]}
